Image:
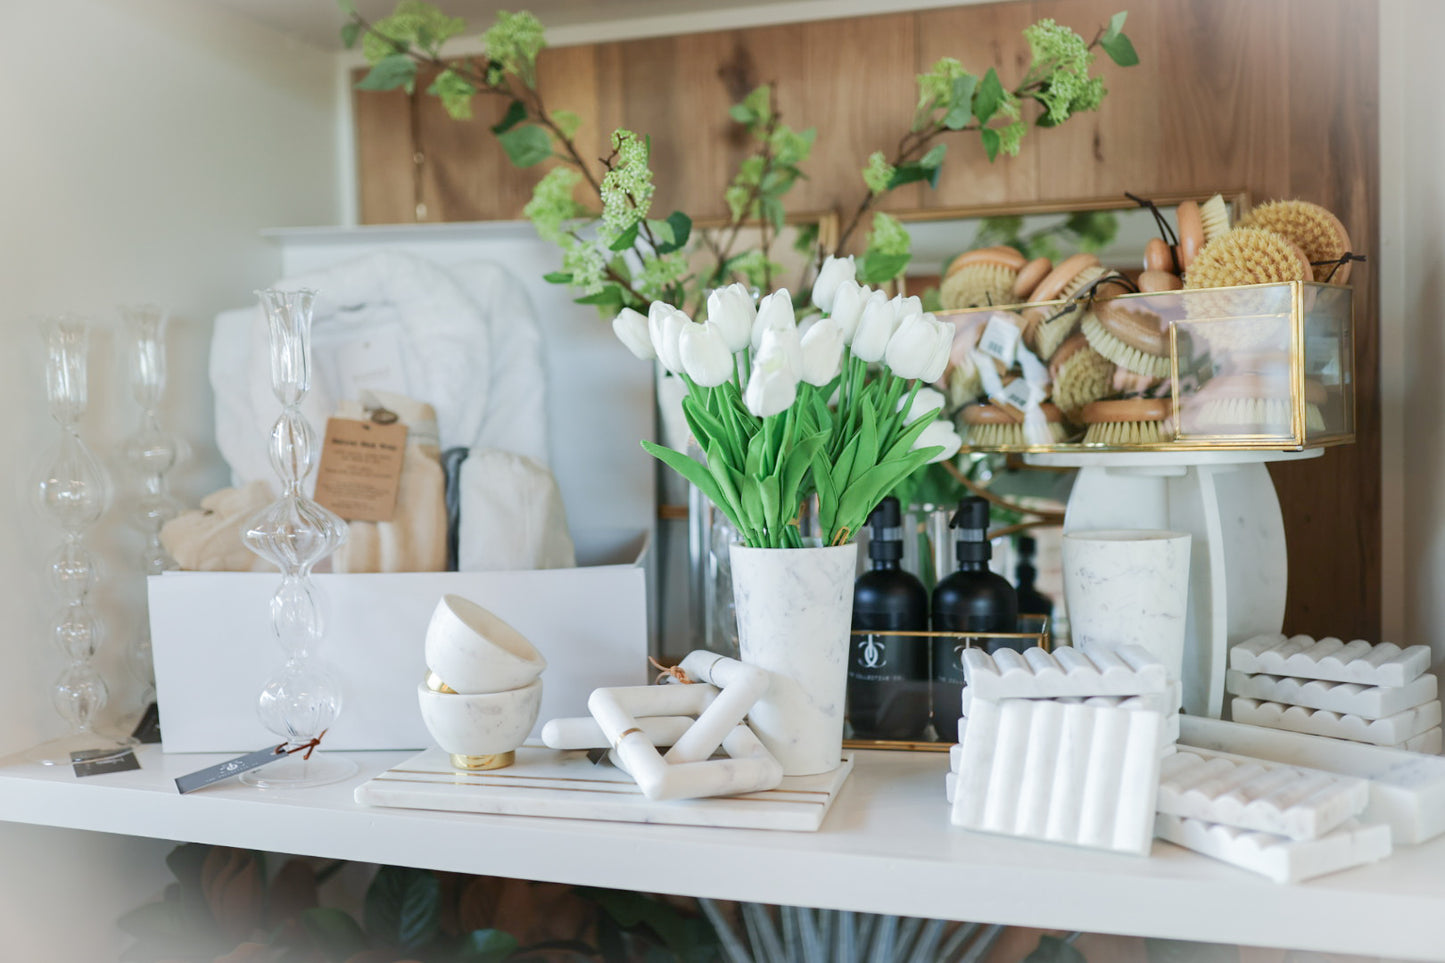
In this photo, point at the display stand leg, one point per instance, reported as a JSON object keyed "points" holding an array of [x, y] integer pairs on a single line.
{"points": [[1238, 565]]}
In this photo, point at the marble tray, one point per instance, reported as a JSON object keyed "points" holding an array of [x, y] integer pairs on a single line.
{"points": [[564, 784]]}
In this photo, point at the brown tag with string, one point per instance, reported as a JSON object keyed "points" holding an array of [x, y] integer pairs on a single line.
{"points": [[360, 472]]}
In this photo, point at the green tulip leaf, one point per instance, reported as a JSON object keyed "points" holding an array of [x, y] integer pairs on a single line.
{"points": [[694, 471]]}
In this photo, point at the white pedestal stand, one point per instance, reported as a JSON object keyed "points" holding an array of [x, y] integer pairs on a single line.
{"points": [[1237, 567]]}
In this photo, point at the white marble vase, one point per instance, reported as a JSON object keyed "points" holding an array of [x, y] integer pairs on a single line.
{"points": [[1129, 587], [794, 608]]}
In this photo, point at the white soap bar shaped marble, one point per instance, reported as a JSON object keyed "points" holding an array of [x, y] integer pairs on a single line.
{"points": [[1330, 659], [1389, 731], [739, 686], [1280, 858], [1066, 671], [1366, 701], [950, 784], [1264, 796], [1168, 735], [1076, 774], [583, 732], [1430, 742], [1407, 790]]}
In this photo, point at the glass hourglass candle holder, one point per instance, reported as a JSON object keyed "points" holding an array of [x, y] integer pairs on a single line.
{"points": [[149, 453], [73, 490], [302, 699]]}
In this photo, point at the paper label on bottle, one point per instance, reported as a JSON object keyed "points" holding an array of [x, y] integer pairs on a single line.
{"points": [[360, 472], [1000, 339]]}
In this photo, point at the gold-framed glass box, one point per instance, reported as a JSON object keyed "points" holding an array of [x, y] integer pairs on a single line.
{"points": [[1256, 367]]}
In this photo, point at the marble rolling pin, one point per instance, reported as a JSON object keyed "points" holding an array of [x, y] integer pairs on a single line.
{"points": [[1407, 789]]}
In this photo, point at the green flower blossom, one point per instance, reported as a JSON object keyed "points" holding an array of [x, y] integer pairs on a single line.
{"points": [[888, 236], [736, 196], [514, 41], [792, 147], [415, 23], [627, 188], [1009, 137], [588, 266], [935, 88], [1062, 61], [659, 273], [552, 204], [878, 173], [455, 93]]}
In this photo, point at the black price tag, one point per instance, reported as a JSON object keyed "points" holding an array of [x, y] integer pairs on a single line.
{"points": [[231, 767], [97, 762]]}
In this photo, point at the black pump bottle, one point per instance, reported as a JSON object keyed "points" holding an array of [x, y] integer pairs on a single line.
{"points": [[888, 674], [1031, 600], [972, 599]]}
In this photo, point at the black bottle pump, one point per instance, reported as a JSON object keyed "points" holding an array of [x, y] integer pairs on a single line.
{"points": [[887, 673], [971, 600], [1031, 600]]}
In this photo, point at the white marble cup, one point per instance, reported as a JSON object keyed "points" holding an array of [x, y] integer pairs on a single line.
{"points": [[479, 725], [794, 607], [1128, 587], [471, 650]]}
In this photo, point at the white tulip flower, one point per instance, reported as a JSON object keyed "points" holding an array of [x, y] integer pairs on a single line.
{"points": [[785, 342], [631, 329], [943, 350], [705, 355], [822, 352], [939, 433], [875, 327], [924, 401], [835, 271], [912, 346], [733, 311], [774, 311], [664, 326], [906, 306], [848, 303], [772, 387]]}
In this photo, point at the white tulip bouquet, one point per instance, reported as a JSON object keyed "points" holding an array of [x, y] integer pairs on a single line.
{"points": [[835, 405]]}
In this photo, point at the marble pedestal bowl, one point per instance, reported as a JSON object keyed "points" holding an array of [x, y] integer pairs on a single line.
{"points": [[480, 730]]}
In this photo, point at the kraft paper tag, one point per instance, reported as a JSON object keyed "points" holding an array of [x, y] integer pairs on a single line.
{"points": [[360, 472]]}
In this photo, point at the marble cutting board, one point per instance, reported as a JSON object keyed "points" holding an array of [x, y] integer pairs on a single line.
{"points": [[564, 784]]}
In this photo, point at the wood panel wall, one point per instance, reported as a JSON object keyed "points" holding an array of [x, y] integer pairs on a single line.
{"points": [[1277, 96]]}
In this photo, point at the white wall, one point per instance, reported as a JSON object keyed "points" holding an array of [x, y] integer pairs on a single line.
{"points": [[142, 146], [1411, 260]]}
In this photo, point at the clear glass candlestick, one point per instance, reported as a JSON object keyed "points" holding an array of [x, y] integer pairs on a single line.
{"points": [[73, 490], [303, 698], [150, 453]]}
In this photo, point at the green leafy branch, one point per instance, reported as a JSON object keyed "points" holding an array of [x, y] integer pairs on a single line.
{"points": [[952, 100]]}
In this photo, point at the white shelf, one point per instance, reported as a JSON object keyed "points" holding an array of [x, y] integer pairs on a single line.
{"points": [[886, 847]]}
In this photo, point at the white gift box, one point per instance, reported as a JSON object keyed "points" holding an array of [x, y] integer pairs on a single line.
{"points": [[214, 650]]}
